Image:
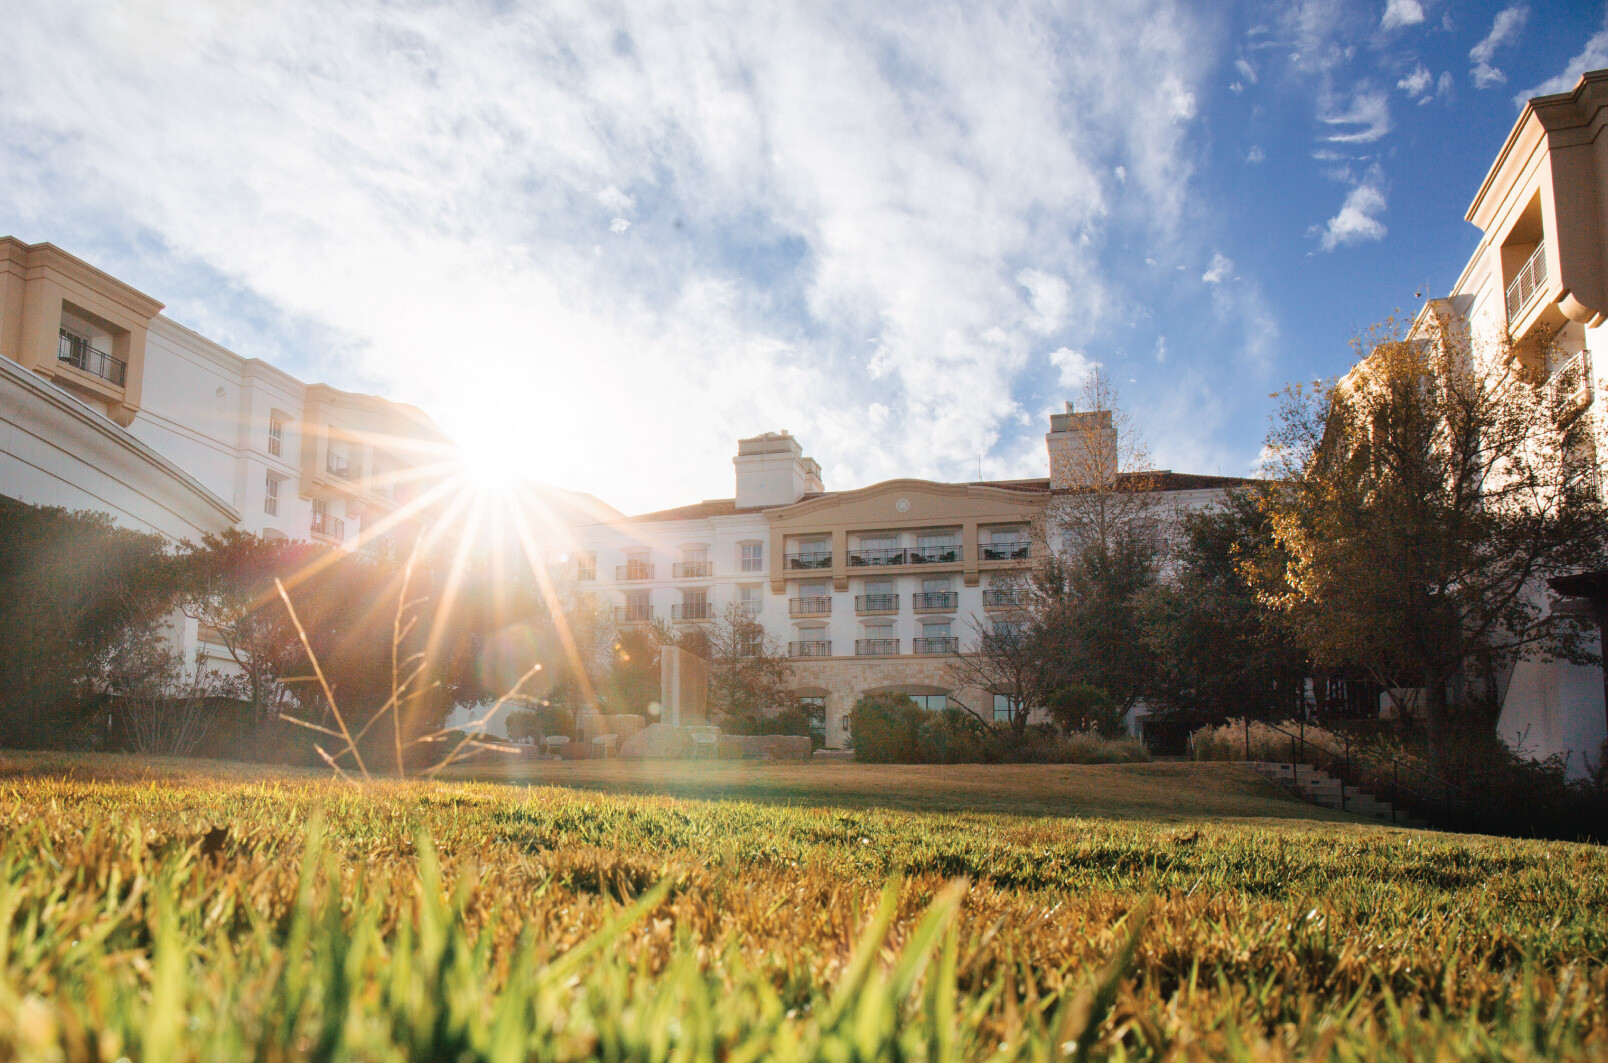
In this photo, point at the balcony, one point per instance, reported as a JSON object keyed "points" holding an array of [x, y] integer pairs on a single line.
{"points": [[935, 601], [77, 352], [338, 465], [1001, 599], [812, 648], [1531, 278], [692, 569], [633, 614], [747, 606], [812, 606], [692, 611], [877, 555], [876, 603], [633, 570], [806, 559], [329, 527], [1008, 550], [946, 554], [933, 646], [1569, 388], [876, 647]]}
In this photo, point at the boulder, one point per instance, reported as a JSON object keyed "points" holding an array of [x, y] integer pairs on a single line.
{"points": [[658, 741], [784, 747]]}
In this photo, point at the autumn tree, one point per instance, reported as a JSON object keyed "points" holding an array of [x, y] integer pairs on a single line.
{"points": [[1421, 503], [750, 675]]}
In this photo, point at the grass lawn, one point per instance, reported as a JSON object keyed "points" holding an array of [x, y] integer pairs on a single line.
{"points": [[193, 911]]}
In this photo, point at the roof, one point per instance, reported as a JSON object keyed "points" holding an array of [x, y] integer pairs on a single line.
{"points": [[1163, 480]]}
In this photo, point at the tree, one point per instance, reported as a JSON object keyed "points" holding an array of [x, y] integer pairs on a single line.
{"points": [[229, 591], [749, 674], [1080, 708], [1111, 493], [1424, 500], [1216, 649]]}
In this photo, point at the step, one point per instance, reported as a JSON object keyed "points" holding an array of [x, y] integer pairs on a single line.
{"points": [[1321, 788]]}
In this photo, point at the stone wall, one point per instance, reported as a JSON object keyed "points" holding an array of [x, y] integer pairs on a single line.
{"points": [[843, 679]]}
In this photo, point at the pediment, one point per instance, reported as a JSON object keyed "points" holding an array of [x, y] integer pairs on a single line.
{"points": [[906, 502]]}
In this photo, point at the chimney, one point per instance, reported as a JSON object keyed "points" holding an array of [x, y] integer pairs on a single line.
{"points": [[773, 471], [1083, 449]]}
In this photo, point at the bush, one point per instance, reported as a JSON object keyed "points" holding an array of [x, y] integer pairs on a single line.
{"points": [[1081, 708], [892, 729], [885, 728], [803, 719], [1227, 741]]}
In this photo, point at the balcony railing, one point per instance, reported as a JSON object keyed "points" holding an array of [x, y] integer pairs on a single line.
{"points": [[876, 647], [747, 607], [692, 611], [76, 351], [812, 648], [1001, 599], [633, 614], [1569, 388], [877, 555], [1009, 550], [692, 569], [937, 600], [633, 570], [905, 555], [944, 644], [326, 525], [812, 606], [877, 603], [1531, 278], [338, 465], [809, 559]]}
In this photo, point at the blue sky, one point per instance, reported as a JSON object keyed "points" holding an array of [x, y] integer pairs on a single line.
{"points": [[605, 240]]}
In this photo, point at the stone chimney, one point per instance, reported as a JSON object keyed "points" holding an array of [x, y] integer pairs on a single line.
{"points": [[1083, 449], [773, 471]]}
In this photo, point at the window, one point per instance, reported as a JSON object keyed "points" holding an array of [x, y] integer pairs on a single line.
{"points": [[276, 435], [938, 585], [931, 702], [586, 566], [937, 547], [1004, 708], [270, 495], [935, 631], [1008, 630], [749, 598], [752, 557], [817, 589], [879, 586], [637, 606]]}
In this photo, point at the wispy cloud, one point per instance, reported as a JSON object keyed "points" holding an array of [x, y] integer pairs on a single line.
{"points": [[1594, 56], [1400, 13], [1219, 270], [1505, 29], [683, 220], [1368, 116], [1358, 218]]}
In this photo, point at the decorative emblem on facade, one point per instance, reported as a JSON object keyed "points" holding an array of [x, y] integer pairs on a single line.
{"points": [[903, 505]]}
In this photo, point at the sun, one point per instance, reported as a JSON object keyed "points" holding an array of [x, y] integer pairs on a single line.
{"points": [[491, 462]]}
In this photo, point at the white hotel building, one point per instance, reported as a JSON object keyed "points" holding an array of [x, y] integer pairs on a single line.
{"points": [[868, 590]]}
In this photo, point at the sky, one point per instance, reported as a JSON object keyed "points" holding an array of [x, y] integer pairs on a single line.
{"points": [[600, 242]]}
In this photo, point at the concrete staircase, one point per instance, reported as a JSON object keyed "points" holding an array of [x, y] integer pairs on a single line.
{"points": [[1321, 788]]}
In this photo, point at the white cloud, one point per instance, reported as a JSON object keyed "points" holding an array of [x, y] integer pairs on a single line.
{"points": [[1370, 110], [1357, 220], [1400, 13], [619, 225], [1161, 349], [1505, 28], [616, 201], [1594, 56], [1049, 297], [390, 172], [1256, 154], [1246, 70], [1219, 270], [1075, 366], [1418, 82]]}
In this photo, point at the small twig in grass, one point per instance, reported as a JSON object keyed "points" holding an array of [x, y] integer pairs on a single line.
{"points": [[329, 694], [513, 691]]}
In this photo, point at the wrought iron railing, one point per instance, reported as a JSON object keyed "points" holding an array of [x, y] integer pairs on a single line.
{"points": [[1001, 599], [338, 465], [876, 647], [946, 554], [809, 559], [692, 569], [633, 614], [935, 600], [810, 648], [692, 611], [936, 644], [877, 555], [814, 605], [333, 527], [633, 570], [1570, 386], [1008, 550], [78, 352], [1531, 278], [877, 603]]}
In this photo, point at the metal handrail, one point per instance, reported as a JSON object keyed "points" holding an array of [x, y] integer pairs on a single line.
{"points": [[633, 570], [338, 465], [876, 647], [814, 605], [1001, 599], [877, 603], [937, 644], [810, 648], [324, 524], [1531, 278], [941, 600], [877, 555], [1349, 765], [692, 611], [1004, 551], [1572, 380], [809, 559], [692, 569], [78, 352], [625, 614]]}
